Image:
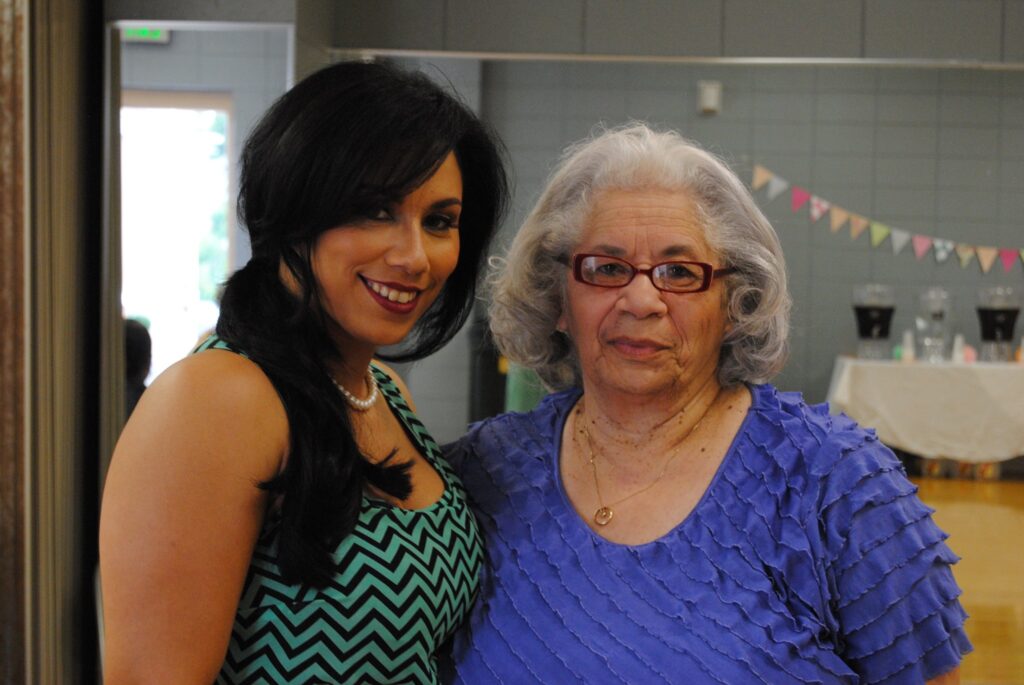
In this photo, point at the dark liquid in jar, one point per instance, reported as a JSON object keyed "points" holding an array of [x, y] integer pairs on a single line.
{"points": [[873, 322], [997, 323]]}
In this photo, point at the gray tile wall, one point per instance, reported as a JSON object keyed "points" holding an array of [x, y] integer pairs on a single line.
{"points": [[524, 25], [940, 29], [262, 11], [937, 152], [399, 24], [987, 30], [1013, 31], [653, 27], [793, 28]]}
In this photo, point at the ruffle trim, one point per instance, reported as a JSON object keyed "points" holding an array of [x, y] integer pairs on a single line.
{"points": [[744, 580]]}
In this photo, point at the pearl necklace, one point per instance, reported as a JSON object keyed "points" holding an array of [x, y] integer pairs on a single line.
{"points": [[604, 514], [355, 402]]}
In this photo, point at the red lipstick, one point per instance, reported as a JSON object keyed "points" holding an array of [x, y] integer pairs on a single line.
{"points": [[393, 306]]}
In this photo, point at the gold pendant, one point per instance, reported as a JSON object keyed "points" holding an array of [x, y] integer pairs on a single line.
{"points": [[603, 516]]}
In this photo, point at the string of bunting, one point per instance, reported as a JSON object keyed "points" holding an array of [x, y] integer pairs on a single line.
{"points": [[840, 218]]}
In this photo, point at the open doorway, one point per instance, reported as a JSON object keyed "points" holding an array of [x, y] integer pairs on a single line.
{"points": [[189, 96], [175, 219]]}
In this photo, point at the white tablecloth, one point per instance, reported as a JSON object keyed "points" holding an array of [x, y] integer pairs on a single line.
{"points": [[967, 412]]}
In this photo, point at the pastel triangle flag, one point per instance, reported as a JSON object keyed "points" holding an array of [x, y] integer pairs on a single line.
{"points": [[922, 244], [818, 207], [857, 225], [799, 199], [776, 186], [879, 232], [838, 218], [965, 253], [761, 176], [986, 257], [900, 238], [1008, 257], [943, 248]]}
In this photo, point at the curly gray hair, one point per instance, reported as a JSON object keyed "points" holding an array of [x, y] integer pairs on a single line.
{"points": [[528, 288]]}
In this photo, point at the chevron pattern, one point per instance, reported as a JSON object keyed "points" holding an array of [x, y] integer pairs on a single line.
{"points": [[404, 580]]}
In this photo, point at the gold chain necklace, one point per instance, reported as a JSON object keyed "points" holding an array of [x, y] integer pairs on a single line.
{"points": [[606, 512]]}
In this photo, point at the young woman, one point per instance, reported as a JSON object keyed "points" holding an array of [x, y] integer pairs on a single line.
{"points": [[274, 511]]}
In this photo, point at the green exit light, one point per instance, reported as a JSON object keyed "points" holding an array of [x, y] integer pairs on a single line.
{"points": [[145, 34]]}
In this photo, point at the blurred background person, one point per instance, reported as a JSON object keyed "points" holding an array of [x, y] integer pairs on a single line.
{"points": [[138, 349]]}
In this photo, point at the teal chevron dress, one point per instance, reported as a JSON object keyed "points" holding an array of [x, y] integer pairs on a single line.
{"points": [[404, 581]]}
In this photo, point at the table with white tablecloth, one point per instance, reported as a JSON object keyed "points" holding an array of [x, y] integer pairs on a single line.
{"points": [[966, 412]]}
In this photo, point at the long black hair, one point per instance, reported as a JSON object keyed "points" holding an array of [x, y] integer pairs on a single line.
{"points": [[346, 140]]}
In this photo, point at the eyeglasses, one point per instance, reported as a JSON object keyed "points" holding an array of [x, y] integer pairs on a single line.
{"points": [[673, 277]]}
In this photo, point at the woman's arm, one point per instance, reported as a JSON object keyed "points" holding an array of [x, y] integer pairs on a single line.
{"points": [[181, 515], [893, 595]]}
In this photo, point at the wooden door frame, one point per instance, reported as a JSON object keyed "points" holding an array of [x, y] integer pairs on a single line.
{"points": [[13, 313], [50, 254]]}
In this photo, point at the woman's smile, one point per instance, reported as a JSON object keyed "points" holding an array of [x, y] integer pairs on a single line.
{"points": [[400, 256], [393, 296]]}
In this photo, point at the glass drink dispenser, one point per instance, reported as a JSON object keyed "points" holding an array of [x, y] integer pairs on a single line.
{"points": [[873, 305], [998, 307], [933, 324]]}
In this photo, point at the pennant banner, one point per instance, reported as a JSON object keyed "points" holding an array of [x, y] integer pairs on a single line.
{"points": [[857, 225], [879, 232], [922, 244], [900, 238], [818, 207], [965, 253], [943, 248], [776, 186], [839, 217], [986, 257], [761, 176], [1008, 257], [800, 198]]}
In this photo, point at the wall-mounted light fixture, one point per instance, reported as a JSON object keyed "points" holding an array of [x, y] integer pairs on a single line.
{"points": [[709, 97]]}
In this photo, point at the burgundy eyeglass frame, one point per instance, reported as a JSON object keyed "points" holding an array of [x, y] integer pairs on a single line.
{"points": [[709, 272]]}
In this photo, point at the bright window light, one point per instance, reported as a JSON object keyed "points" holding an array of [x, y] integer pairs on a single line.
{"points": [[174, 242]]}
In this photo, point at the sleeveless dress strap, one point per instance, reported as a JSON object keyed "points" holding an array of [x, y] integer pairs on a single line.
{"points": [[411, 423], [215, 342]]}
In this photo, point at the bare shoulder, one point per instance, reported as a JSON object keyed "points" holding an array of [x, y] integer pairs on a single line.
{"points": [[402, 387], [182, 510], [218, 372], [214, 398]]}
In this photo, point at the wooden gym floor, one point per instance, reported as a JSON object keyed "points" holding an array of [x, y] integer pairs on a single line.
{"points": [[985, 522]]}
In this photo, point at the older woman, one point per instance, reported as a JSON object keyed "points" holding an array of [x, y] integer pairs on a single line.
{"points": [[667, 516]]}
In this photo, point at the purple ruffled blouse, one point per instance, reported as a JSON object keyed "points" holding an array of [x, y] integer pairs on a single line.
{"points": [[809, 559]]}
